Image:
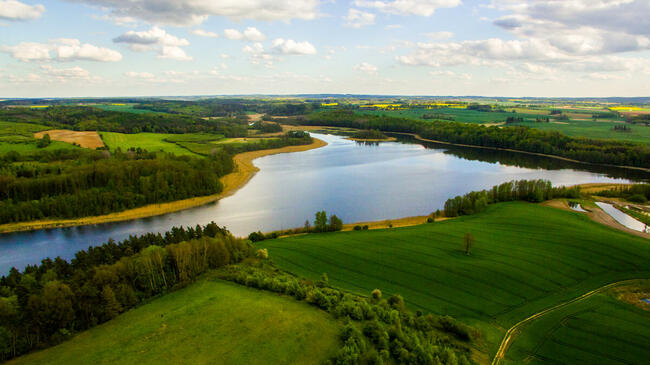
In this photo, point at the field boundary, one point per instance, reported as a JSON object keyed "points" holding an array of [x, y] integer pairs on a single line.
{"points": [[512, 333]]}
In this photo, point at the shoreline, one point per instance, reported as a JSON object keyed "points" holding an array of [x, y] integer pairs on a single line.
{"points": [[387, 139], [416, 136], [244, 171]]}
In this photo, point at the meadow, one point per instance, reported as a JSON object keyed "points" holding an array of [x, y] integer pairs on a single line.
{"points": [[579, 124], [526, 258], [598, 330], [19, 137], [152, 142], [208, 322], [597, 130]]}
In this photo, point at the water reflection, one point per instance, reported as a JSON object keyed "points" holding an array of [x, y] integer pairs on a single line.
{"points": [[356, 181]]}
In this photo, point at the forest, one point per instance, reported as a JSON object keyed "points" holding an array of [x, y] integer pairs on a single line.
{"points": [[76, 183], [534, 191], [47, 303], [93, 119], [516, 138]]}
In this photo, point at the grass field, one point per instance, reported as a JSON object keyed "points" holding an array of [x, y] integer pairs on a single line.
{"points": [[598, 330], [19, 137], [152, 142], [526, 258], [209, 322], [597, 130], [601, 129]]}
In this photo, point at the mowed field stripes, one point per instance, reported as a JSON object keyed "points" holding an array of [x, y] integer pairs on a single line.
{"points": [[526, 258]]}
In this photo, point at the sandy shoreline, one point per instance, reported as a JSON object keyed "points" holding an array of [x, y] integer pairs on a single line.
{"points": [[244, 171]]}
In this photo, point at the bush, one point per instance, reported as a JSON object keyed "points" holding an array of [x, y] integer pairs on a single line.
{"points": [[357, 228], [637, 198], [262, 253], [365, 227], [376, 294], [430, 220]]}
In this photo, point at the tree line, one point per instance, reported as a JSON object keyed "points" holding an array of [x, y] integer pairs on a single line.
{"points": [[94, 119], [516, 138], [637, 193], [534, 191], [86, 183], [321, 224], [378, 330], [47, 303]]}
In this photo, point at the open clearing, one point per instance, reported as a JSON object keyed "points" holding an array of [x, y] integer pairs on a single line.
{"points": [[527, 258], [152, 142], [84, 139], [209, 322]]}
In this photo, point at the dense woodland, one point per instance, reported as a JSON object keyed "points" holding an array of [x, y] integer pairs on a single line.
{"points": [[77, 183], [534, 191], [94, 119], [47, 303], [516, 138]]}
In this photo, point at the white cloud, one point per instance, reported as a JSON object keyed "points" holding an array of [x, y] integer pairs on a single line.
{"points": [[451, 74], [291, 47], [192, 12], [15, 10], [174, 53], [580, 27], [61, 50], [393, 26], [438, 36], [250, 34], [65, 74], [366, 67], [357, 18], [167, 45], [204, 33], [153, 36], [258, 55], [139, 75], [408, 7]]}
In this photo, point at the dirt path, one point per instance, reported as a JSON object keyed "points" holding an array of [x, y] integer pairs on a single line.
{"points": [[244, 171], [514, 331]]}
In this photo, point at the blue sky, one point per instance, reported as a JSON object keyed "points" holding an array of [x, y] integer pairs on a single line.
{"points": [[411, 47]]}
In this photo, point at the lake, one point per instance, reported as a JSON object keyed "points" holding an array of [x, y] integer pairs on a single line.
{"points": [[356, 181]]}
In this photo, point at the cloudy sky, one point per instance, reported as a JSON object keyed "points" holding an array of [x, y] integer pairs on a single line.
{"points": [[410, 47]]}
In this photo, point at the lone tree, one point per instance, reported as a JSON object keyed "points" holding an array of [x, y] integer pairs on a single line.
{"points": [[468, 242]]}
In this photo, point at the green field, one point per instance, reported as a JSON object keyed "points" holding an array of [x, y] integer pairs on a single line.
{"points": [[209, 322], [598, 330], [597, 130], [601, 129], [526, 258], [152, 142], [19, 137]]}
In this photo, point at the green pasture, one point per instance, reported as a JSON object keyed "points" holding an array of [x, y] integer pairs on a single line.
{"points": [[526, 258], [209, 322], [598, 330]]}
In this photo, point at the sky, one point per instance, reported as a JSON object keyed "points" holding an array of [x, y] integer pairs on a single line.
{"points": [[536, 48]]}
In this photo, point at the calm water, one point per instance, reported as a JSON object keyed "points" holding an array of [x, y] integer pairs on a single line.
{"points": [[356, 181], [622, 218]]}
